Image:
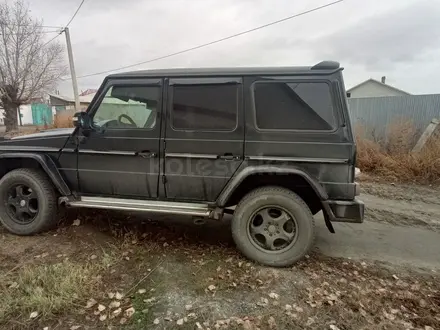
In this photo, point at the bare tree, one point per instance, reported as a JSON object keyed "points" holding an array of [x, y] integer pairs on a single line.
{"points": [[29, 66]]}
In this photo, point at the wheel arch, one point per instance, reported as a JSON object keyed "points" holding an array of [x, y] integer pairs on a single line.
{"points": [[253, 177], [44, 161]]}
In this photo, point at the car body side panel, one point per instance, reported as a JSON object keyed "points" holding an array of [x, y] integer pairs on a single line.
{"points": [[195, 168], [327, 156], [111, 161]]}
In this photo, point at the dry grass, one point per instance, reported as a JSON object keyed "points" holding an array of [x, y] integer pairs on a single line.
{"points": [[178, 265], [392, 158], [46, 289], [63, 120]]}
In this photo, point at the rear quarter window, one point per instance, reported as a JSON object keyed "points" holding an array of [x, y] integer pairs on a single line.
{"points": [[299, 106]]}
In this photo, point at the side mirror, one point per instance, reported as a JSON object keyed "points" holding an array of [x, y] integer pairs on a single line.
{"points": [[82, 120]]}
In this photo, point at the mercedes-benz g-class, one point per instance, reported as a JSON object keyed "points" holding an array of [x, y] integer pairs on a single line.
{"points": [[271, 146]]}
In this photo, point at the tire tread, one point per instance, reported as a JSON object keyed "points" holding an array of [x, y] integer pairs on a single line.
{"points": [[50, 219], [272, 190]]}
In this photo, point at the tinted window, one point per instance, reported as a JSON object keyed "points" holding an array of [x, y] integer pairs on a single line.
{"points": [[128, 107], [294, 106], [205, 107]]}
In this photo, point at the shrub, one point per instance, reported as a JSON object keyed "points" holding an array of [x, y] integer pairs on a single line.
{"points": [[63, 119], [392, 158]]}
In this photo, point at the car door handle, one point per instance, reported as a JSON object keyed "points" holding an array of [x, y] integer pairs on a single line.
{"points": [[146, 154], [228, 156]]}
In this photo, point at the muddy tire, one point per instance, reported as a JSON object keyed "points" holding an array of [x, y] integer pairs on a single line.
{"points": [[273, 226], [28, 202]]}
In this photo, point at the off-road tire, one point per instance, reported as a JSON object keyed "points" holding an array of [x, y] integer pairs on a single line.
{"points": [[286, 199], [38, 181]]}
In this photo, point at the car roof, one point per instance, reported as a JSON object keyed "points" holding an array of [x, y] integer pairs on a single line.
{"points": [[325, 67]]}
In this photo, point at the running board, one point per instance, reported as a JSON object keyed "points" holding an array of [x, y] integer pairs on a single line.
{"points": [[195, 209]]}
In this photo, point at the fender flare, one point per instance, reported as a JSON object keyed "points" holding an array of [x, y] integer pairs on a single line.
{"points": [[48, 166], [238, 178]]}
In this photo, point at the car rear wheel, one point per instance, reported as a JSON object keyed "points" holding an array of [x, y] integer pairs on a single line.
{"points": [[273, 226], [29, 202]]}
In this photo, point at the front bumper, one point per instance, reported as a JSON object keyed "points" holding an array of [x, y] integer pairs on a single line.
{"points": [[345, 211]]}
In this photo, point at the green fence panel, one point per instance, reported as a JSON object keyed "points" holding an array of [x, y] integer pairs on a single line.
{"points": [[41, 114]]}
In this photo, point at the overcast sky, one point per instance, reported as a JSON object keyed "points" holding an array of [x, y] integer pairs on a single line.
{"points": [[396, 38]]}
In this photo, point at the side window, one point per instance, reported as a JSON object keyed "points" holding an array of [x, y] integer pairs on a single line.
{"points": [[128, 107], [206, 107], [294, 106]]}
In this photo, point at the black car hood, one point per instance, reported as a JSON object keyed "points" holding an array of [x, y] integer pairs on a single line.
{"points": [[46, 133], [51, 140]]}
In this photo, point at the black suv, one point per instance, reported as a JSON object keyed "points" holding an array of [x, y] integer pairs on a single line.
{"points": [[271, 146]]}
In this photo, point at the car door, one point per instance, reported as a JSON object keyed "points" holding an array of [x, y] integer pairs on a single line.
{"points": [[119, 156], [204, 136]]}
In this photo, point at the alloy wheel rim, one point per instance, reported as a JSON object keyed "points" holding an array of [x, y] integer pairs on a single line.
{"points": [[272, 229], [22, 204]]}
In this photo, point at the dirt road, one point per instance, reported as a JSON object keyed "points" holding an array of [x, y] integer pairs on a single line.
{"points": [[402, 227], [397, 245], [112, 271]]}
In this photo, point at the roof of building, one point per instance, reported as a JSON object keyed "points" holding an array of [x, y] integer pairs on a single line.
{"points": [[88, 91], [82, 99], [322, 67], [377, 82]]}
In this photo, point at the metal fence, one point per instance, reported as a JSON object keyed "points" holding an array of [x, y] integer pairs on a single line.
{"points": [[377, 113]]}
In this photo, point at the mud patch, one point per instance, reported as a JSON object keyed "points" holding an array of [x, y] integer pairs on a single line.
{"points": [[397, 219], [414, 193], [402, 212]]}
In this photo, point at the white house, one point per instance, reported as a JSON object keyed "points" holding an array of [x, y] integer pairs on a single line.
{"points": [[375, 88], [26, 115]]}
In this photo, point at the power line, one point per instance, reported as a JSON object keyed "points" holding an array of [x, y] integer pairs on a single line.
{"points": [[43, 26], [59, 33], [67, 25], [46, 32], [213, 42], [76, 12], [48, 26], [41, 32], [51, 27]]}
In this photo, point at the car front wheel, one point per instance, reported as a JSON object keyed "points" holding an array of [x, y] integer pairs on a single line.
{"points": [[273, 226], [29, 202]]}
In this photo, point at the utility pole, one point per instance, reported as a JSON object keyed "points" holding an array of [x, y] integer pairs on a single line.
{"points": [[72, 70]]}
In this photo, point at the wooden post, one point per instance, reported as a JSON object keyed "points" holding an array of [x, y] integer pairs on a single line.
{"points": [[426, 135]]}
